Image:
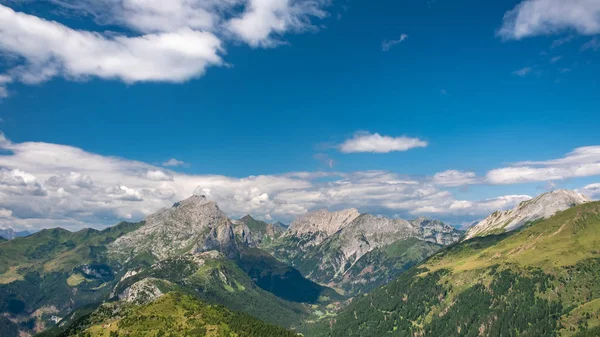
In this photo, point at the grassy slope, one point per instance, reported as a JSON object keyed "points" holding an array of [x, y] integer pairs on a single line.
{"points": [[539, 281], [221, 281], [41, 275], [563, 240], [173, 314]]}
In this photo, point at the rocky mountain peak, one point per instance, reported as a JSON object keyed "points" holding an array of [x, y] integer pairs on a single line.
{"points": [[195, 224], [540, 207], [323, 221], [320, 224], [247, 217]]}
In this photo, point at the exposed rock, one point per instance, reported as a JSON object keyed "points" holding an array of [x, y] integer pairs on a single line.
{"points": [[436, 231], [314, 227], [541, 207], [192, 225], [255, 233], [142, 292], [368, 232]]}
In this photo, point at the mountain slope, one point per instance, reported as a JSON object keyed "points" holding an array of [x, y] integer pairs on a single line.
{"points": [[192, 225], [52, 272], [538, 281], [213, 278], [173, 314], [312, 228], [257, 233], [385, 244], [541, 207]]}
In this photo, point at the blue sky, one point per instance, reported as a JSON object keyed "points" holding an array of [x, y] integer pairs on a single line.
{"points": [[273, 88]]}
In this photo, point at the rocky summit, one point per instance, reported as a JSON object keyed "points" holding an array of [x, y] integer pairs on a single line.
{"points": [[314, 227], [192, 225], [355, 252], [541, 207]]}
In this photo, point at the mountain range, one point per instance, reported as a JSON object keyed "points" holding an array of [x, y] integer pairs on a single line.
{"points": [[9, 233], [339, 273]]}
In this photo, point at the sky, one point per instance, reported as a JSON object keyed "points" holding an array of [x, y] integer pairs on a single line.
{"points": [[112, 109]]}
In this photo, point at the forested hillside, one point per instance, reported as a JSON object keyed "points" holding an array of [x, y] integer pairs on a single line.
{"points": [[539, 281]]}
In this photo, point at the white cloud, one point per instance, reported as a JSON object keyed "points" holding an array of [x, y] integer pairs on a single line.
{"points": [[452, 178], [48, 185], [173, 162], [375, 143], [5, 213], [152, 15], [171, 41], [581, 162], [4, 80], [265, 20], [523, 71], [51, 48], [472, 208], [158, 175], [555, 59], [545, 17], [592, 191], [386, 45]]}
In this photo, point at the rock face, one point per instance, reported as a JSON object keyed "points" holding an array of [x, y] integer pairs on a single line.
{"points": [[436, 231], [192, 225], [325, 246], [142, 292], [314, 227], [339, 252], [256, 233], [541, 207]]}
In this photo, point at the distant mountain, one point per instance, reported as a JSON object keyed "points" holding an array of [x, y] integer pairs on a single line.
{"points": [[257, 233], [540, 280], [280, 225], [329, 247], [171, 314], [541, 207], [10, 234], [191, 247], [313, 228]]}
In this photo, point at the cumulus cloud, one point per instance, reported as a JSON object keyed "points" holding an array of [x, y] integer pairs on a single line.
{"points": [[453, 178], [545, 17], [592, 191], [375, 143], [172, 41], [581, 162], [51, 49], [264, 20], [386, 45], [48, 185], [173, 162]]}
